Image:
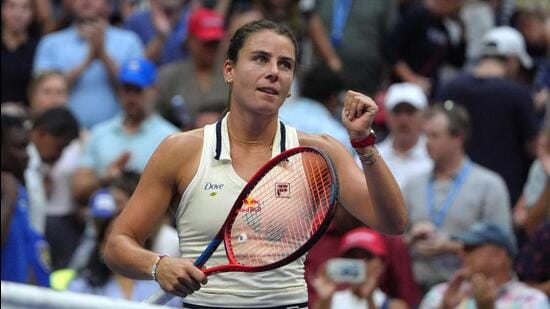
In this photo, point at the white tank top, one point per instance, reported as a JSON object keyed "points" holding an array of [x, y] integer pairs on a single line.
{"points": [[202, 211]]}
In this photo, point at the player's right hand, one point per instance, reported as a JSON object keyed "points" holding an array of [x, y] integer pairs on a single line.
{"points": [[179, 276]]}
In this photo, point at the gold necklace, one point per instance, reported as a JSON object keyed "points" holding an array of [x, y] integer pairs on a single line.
{"points": [[244, 141]]}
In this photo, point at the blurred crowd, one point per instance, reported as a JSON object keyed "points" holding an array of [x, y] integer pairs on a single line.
{"points": [[91, 87]]}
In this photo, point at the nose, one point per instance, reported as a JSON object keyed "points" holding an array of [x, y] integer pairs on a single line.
{"points": [[273, 73]]}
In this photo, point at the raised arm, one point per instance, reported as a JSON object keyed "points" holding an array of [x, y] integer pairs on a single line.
{"points": [[167, 170], [371, 194]]}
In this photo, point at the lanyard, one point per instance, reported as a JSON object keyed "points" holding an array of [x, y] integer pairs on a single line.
{"points": [[340, 11], [438, 217]]}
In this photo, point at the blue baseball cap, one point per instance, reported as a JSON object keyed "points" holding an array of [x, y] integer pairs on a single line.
{"points": [[102, 204], [488, 233], [139, 72]]}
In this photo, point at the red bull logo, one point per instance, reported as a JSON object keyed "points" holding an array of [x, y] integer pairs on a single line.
{"points": [[250, 205]]}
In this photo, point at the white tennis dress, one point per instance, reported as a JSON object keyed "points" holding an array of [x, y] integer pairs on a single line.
{"points": [[202, 211]]}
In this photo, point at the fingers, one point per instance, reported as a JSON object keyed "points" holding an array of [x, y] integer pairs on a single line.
{"points": [[356, 104], [180, 277]]}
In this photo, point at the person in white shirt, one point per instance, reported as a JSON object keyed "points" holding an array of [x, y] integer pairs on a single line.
{"points": [[404, 149]]}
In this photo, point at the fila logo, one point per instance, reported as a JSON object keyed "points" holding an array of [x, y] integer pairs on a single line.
{"points": [[282, 189]]}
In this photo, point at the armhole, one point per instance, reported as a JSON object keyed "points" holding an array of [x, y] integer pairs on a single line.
{"points": [[201, 170]]}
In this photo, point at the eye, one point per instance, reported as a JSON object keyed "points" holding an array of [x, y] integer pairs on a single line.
{"points": [[260, 58], [287, 65]]}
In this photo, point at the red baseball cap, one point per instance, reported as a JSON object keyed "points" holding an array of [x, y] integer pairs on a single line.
{"points": [[363, 238], [206, 25]]}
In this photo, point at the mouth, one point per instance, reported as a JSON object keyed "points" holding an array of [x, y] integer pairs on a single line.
{"points": [[268, 90]]}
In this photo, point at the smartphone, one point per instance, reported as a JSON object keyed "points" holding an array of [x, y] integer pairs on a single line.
{"points": [[342, 270]]}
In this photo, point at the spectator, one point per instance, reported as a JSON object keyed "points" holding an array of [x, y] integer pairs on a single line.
{"points": [[47, 89], [52, 210], [498, 107], [18, 49], [127, 140], [486, 279], [208, 114], [162, 28], [397, 281], [425, 39], [405, 146], [315, 111], [301, 20], [189, 84], [367, 246], [357, 29], [533, 262], [96, 278], [24, 253], [89, 53], [455, 194]]}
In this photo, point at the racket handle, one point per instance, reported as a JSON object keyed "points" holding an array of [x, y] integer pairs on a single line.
{"points": [[159, 298]]}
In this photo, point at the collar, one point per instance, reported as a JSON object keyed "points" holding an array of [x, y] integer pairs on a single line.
{"points": [[118, 122], [223, 146]]}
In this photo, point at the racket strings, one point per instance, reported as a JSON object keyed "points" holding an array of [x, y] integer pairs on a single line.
{"points": [[283, 211]]}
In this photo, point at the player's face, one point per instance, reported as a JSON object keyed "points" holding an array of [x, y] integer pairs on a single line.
{"points": [[262, 75]]}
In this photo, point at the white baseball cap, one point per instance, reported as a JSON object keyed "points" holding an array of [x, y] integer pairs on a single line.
{"points": [[408, 93], [506, 41]]}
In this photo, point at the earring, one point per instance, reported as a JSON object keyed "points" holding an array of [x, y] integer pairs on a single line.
{"points": [[229, 81]]}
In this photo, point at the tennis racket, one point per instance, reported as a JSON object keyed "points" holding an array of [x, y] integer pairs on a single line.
{"points": [[280, 213]]}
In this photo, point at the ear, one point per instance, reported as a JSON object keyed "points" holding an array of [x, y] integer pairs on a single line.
{"points": [[228, 71]]}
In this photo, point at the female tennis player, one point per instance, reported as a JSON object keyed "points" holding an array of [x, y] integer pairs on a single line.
{"points": [[200, 173]]}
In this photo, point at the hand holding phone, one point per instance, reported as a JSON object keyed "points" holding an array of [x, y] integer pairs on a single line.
{"points": [[342, 270]]}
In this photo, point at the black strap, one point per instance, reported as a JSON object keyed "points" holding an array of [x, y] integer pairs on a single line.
{"points": [[218, 139], [283, 136], [293, 306]]}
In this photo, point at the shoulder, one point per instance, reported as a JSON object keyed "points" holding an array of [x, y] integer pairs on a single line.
{"points": [[528, 295], [104, 127], [140, 17], [484, 174], [181, 146], [58, 36], [321, 141], [122, 35], [163, 126], [171, 69]]}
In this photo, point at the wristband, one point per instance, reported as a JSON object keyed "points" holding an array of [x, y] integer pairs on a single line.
{"points": [[366, 142], [155, 266]]}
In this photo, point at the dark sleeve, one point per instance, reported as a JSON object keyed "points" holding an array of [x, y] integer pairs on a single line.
{"points": [[525, 114], [402, 34], [457, 53]]}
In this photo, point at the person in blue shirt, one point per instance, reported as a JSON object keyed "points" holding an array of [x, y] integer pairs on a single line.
{"points": [[24, 252], [126, 141], [315, 110], [89, 53], [162, 28]]}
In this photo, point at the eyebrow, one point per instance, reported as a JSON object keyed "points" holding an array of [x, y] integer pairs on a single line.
{"points": [[264, 53]]}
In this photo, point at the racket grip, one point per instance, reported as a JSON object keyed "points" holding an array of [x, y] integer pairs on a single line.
{"points": [[159, 298]]}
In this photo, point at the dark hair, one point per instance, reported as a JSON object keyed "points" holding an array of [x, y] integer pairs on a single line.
{"points": [[127, 181], [320, 83], [59, 122], [10, 122], [243, 33], [459, 119]]}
